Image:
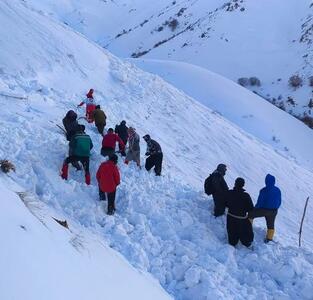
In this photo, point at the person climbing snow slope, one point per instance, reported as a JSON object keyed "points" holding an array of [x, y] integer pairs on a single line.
{"points": [[239, 204], [133, 152], [108, 178], [90, 105], [155, 155], [109, 142], [81, 145], [267, 206]]}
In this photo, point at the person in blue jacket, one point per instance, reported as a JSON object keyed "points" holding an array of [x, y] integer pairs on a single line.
{"points": [[269, 201]]}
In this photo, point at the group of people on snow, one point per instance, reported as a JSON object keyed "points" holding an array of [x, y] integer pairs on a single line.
{"points": [[241, 210], [80, 145]]}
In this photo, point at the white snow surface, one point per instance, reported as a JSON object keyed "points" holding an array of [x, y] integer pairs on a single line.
{"points": [[40, 259], [249, 111], [163, 225], [271, 40]]}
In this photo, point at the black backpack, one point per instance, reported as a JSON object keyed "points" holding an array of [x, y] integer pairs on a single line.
{"points": [[208, 185]]}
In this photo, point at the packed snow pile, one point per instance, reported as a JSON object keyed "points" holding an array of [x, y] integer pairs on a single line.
{"points": [[48, 261], [251, 42], [162, 225]]}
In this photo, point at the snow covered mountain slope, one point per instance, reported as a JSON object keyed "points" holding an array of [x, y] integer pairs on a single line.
{"points": [[40, 259], [247, 110], [237, 39], [163, 225]]}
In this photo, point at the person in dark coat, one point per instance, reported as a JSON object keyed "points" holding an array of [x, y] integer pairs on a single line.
{"points": [[109, 142], [122, 131], [239, 204], [108, 178], [100, 119], [70, 124], [220, 189], [269, 201], [155, 155], [81, 145]]}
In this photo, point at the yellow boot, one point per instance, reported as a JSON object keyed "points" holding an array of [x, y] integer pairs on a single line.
{"points": [[269, 235]]}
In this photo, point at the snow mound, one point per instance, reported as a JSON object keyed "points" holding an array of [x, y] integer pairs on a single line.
{"points": [[48, 261]]}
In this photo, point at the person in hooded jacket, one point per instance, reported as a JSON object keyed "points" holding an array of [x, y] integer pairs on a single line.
{"points": [[70, 124], [239, 204], [108, 178], [220, 188], [268, 203], [100, 119], [122, 131], [90, 105], [133, 152], [109, 142], [155, 155], [81, 145]]}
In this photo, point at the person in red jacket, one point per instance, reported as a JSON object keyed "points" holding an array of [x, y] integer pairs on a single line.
{"points": [[109, 142], [108, 177], [90, 106]]}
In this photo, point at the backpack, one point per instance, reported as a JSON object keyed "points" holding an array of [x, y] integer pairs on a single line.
{"points": [[208, 185]]}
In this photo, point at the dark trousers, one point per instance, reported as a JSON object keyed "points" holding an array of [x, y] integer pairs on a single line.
{"points": [[100, 127], [111, 200], [155, 160], [106, 151], [219, 204], [269, 214], [239, 230], [75, 159]]}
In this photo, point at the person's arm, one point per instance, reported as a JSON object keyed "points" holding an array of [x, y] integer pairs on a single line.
{"points": [[81, 103], [120, 142], [116, 175], [249, 202], [98, 175], [261, 199]]}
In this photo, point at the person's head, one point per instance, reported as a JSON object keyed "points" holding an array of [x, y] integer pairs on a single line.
{"points": [[90, 94], [110, 130], [97, 106], [123, 123], [113, 158], [239, 183], [221, 168], [131, 130], [269, 180], [147, 137], [71, 115]]}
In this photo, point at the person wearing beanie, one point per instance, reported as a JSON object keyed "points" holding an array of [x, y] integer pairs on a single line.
{"points": [[80, 146], [100, 119], [108, 178], [267, 206], [133, 152], [90, 105], [216, 186], [155, 155], [239, 203]]}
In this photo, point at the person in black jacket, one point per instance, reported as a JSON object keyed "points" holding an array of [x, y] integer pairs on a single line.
{"points": [[122, 131], [239, 204], [70, 124], [220, 188], [155, 155]]}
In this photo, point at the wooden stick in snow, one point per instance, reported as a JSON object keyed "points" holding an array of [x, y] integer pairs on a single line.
{"points": [[304, 211]]}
